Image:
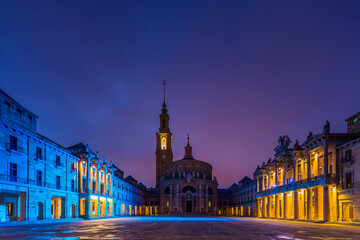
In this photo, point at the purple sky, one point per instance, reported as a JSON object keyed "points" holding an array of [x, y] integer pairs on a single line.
{"points": [[239, 75]]}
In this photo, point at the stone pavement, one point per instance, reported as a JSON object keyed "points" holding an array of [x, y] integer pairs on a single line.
{"points": [[180, 228]]}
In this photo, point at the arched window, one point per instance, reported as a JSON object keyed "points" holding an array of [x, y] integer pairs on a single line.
{"points": [[163, 143]]}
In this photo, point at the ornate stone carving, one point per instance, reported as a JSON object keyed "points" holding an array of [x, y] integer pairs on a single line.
{"points": [[283, 144], [326, 127]]}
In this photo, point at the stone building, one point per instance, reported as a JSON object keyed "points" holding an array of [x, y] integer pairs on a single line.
{"points": [[186, 185], [312, 181], [40, 179], [37, 177]]}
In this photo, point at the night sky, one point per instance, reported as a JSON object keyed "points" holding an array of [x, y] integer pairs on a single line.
{"points": [[239, 74]]}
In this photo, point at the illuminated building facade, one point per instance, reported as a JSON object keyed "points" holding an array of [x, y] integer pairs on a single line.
{"points": [[312, 181], [183, 186], [40, 179]]}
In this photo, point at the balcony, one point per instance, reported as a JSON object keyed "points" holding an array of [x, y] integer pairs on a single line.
{"points": [[14, 148], [59, 164], [94, 191], [349, 159], [11, 178], [73, 169]]}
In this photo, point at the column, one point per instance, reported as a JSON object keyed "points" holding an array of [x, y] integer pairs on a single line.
{"points": [[276, 205], [171, 202], [206, 203], [98, 206], [326, 203], [308, 167], [295, 204], [284, 204], [178, 201], [326, 162], [58, 208], [308, 191], [87, 190], [18, 207], [106, 207], [276, 181]]}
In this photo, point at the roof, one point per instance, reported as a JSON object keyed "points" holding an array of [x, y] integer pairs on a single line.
{"points": [[80, 146], [13, 100], [130, 178], [355, 115], [223, 192]]}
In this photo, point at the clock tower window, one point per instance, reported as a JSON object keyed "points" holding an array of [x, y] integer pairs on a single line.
{"points": [[163, 143]]}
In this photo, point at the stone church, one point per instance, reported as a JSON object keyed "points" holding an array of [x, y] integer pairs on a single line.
{"points": [[185, 185]]}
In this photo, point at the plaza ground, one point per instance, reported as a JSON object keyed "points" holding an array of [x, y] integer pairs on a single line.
{"points": [[180, 228]]}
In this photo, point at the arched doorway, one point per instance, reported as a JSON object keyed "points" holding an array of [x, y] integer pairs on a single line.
{"points": [[348, 212], [73, 211], [188, 192], [40, 207]]}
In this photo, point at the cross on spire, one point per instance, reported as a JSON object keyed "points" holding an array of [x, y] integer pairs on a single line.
{"points": [[164, 83]]}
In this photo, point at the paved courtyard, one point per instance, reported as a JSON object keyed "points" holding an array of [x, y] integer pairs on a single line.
{"points": [[180, 228]]}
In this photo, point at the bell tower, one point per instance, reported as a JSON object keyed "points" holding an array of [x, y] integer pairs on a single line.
{"points": [[164, 140]]}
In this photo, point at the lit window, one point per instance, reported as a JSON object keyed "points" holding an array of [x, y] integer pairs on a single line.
{"points": [[163, 143]]}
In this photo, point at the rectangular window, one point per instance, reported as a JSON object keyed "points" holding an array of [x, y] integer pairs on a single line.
{"points": [[348, 155], [19, 110], [13, 143], [73, 185], [348, 180], [39, 153], [57, 161], [93, 186], [8, 104], [57, 182], [84, 169], [10, 209], [72, 167], [102, 189], [39, 178], [83, 185], [164, 123], [13, 172]]}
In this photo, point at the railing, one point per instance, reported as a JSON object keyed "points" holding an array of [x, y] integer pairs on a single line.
{"points": [[59, 164], [73, 169], [348, 160], [10, 147], [355, 185], [12, 178], [94, 191], [15, 179]]}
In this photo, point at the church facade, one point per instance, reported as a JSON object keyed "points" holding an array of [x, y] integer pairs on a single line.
{"points": [[185, 185]]}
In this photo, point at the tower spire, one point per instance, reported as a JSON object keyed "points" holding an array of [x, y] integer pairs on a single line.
{"points": [[164, 84], [188, 149]]}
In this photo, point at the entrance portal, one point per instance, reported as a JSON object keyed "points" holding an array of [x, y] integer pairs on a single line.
{"points": [[189, 206]]}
